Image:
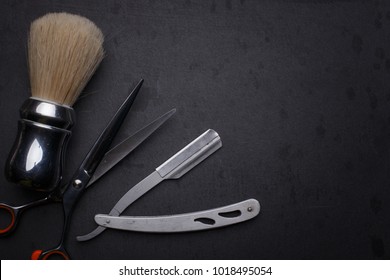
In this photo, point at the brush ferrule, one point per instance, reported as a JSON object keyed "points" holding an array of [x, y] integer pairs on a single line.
{"points": [[48, 113], [37, 156]]}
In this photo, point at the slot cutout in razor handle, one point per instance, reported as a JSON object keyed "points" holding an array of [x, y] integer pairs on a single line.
{"points": [[190, 156]]}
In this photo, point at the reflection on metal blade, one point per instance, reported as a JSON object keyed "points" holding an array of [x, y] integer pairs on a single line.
{"points": [[121, 150]]}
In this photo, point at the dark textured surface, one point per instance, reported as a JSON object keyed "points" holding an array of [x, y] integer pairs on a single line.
{"points": [[299, 92]]}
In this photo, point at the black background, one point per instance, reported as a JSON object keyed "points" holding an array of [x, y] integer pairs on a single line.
{"points": [[299, 92]]}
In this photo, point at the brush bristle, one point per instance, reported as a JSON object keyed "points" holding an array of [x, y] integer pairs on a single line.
{"points": [[64, 51]]}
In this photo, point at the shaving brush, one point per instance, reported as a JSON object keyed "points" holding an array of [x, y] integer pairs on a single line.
{"points": [[64, 51]]}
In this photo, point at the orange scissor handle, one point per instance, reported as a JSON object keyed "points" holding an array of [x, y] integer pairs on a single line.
{"points": [[58, 252], [12, 212]]}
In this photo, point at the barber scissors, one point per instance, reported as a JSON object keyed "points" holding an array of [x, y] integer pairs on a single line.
{"points": [[96, 163]]}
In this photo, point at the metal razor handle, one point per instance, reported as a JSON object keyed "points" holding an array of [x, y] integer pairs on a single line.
{"points": [[36, 158], [190, 156], [195, 221]]}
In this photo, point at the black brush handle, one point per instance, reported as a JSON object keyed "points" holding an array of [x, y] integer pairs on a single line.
{"points": [[37, 156]]}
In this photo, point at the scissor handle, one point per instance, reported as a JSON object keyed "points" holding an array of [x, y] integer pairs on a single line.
{"points": [[13, 213], [49, 254]]}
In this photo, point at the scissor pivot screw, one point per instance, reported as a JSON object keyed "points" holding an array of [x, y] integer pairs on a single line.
{"points": [[107, 221], [77, 183], [250, 209]]}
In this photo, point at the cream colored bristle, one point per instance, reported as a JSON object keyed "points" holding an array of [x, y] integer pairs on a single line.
{"points": [[64, 51]]}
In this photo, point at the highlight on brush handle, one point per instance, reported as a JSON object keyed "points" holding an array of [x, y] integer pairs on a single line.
{"points": [[36, 158]]}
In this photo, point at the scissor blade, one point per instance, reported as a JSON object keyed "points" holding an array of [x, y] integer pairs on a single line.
{"points": [[103, 143], [120, 151], [132, 195]]}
